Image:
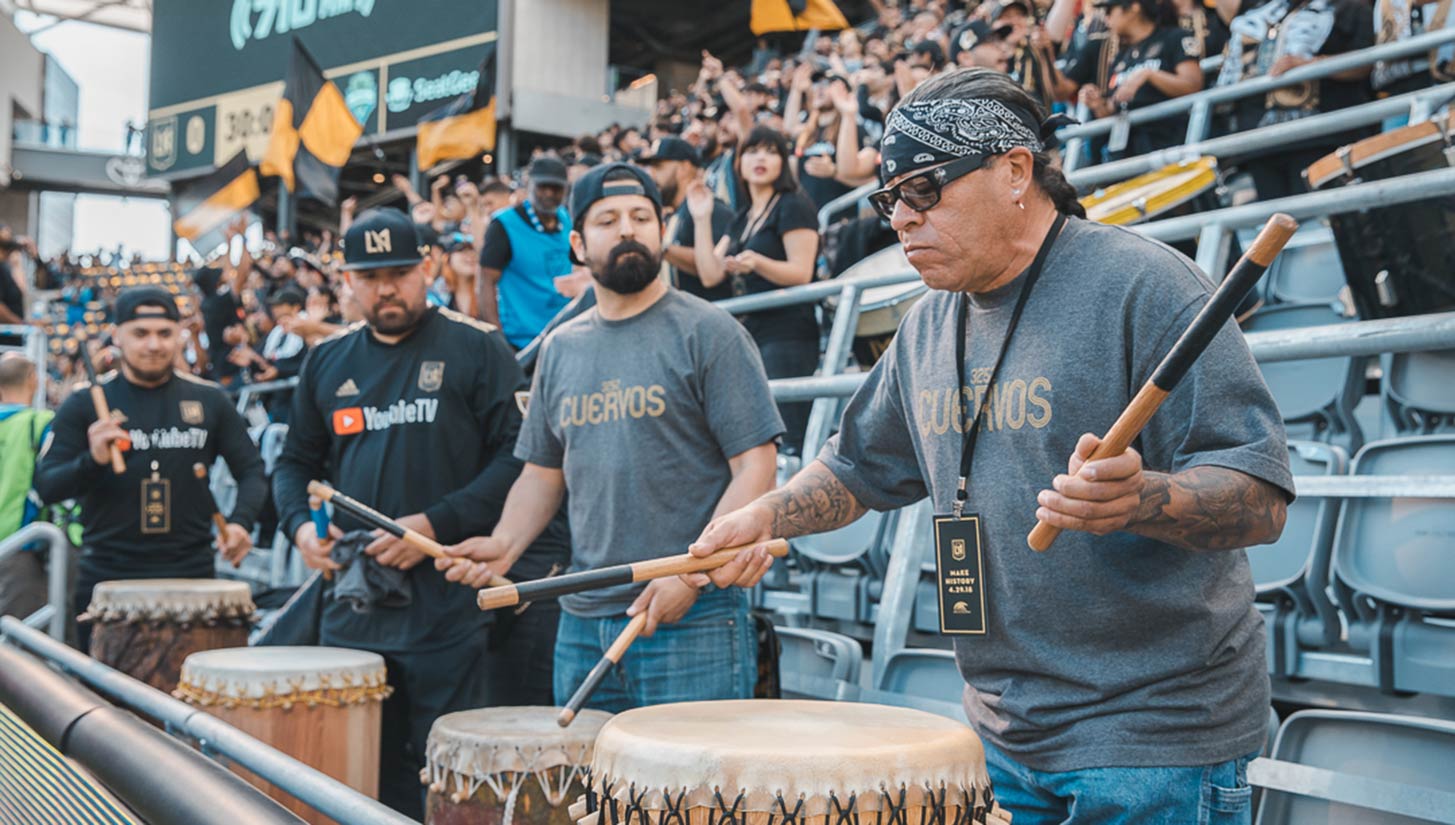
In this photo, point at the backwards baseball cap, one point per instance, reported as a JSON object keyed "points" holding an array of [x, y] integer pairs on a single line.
{"points": [[626, 179], [669, 148], [380, 238], [973, 34], [1002, 8], [547, 170], [145, 302]]}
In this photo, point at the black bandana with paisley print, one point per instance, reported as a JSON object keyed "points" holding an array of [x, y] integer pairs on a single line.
{"points": [[930, 132]]}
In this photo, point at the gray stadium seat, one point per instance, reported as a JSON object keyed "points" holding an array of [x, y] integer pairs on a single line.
{"points": [[818, 664], [1419, 389], [1394, 557], [1291, 574], [1350, 767], [845, 544], [1308, 269], [1317, 395], [922, 678]]}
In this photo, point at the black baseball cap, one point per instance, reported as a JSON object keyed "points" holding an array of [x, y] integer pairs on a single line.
{"points": [[145, 302], [669, 148], [1002, 8], [628, 179], [973, 34], [547, 170], [427, 236], [380, 238], [288, 295]]}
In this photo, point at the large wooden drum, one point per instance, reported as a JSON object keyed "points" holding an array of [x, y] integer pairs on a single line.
{"points": [[146, 628], [513, 764], [320, 705], [783, 761], [1181, 188]]}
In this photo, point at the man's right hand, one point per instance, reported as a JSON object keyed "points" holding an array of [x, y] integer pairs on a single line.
{"points": [[476, 560], [315, 550], [102, 434], [753, 523]]}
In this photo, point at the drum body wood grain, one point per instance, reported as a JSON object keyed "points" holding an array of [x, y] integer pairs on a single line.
{"points": [[494, 765], [322, 706], [146, 628]]}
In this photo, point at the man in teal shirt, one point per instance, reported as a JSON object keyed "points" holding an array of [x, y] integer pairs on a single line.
{"points": [[526, 249], [22, 428]]}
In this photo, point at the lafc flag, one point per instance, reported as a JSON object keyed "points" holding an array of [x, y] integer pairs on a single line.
{"points": [[796, 16], [313, 131], [464, 127], [207, 205]]}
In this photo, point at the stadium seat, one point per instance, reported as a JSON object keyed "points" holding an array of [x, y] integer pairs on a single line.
{"points": [[1308, 269], [845, 544], [923, 678], [1392, 563], [818, 664], [1333, 766], [1419, 390], [1316, 396], [1290, 575]]}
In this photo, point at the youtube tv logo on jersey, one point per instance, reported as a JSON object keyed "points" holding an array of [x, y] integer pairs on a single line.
{"points": [[348, 421]]}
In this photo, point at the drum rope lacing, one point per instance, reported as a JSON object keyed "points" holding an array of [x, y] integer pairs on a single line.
{"points": [[555, 780], [350, 690], [634, 811], [210, 613]]}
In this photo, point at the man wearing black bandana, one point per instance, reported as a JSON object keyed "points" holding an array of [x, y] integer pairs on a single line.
{"points": [[1119, 677], [652, 409]]}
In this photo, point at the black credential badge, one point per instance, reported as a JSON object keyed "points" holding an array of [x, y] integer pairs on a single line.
{"points": [[960, 572], [156, 504]]}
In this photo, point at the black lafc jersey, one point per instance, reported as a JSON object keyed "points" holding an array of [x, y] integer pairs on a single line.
{"points": [[155, 517], [426, 425]]}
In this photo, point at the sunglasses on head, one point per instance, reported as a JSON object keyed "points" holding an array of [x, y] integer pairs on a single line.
{"points": [[922, 192]]}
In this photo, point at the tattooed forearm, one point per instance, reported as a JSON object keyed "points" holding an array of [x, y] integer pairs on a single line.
{"points": [[814, 501], [1209, 508]]}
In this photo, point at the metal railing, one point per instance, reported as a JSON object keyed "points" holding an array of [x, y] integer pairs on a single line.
{"points": [[248, 393], [56, 610], [325, 794], [1198, 106]]}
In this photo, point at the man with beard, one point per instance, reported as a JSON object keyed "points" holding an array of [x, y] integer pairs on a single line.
{"points": [[153, 521], [413, 412], [673, 164], [524, 251], [653, 411]]}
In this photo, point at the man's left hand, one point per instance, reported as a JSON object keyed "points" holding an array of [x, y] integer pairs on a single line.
{"points": [[392, 552], [234, 543], [1097, 497], [666, 602]]}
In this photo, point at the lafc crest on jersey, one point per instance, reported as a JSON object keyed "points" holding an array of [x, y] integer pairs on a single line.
{"points": [[431, 376], [191, 412]]}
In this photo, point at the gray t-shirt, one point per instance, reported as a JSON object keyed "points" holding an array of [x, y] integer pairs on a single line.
{"points": [[642, 415], [1103, 651]]}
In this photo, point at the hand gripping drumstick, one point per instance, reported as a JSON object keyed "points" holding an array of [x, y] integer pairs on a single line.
{"points": [[374, 518], [1194, 340], [200, 470], [610, 660], [557, 586], [103, 411]]}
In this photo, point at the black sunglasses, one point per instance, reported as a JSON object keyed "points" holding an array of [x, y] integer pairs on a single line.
{"points": [[922, 191]]}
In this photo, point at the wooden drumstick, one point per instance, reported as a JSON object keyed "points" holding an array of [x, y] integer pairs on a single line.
{"points": [[1189, 346], [200, 470], [103, 410], [378, 520], [541, 589], [593, 679]]}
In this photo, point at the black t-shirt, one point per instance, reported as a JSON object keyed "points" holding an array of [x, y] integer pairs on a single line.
{"points": [[220, 310], [722, 221], [11, 295], [1163, 50], [790, 211], [426, 425], [1206, 28], [182, 422]]}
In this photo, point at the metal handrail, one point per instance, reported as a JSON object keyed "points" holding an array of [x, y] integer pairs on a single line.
{"points": [[325, 794], [808, 293], [53, 614], [247, 393], [1317, 70], [1255, 141]]}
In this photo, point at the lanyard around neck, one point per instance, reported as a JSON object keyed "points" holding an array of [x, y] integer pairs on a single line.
{"points": [[972, 429]]}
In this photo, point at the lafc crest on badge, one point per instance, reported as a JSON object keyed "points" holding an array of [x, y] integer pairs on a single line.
{"points": [[431, 376], [191, 412]]}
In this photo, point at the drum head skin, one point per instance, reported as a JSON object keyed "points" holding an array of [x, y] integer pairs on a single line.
{"points": [[282, 676], [1147, 196], [767, 748], [489, 741], [170, 600]]}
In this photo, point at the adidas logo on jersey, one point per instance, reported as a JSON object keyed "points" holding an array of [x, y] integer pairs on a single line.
{"points": [[347, 388]]}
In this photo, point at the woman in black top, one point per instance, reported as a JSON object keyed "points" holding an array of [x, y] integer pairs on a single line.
{"points": [[772, 244]]}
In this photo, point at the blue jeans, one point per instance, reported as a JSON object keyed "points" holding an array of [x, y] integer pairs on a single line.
{"points": [[712, 653], [1207, 795]]}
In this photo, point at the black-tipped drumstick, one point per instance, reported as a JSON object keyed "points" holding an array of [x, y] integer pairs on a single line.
{"points": [[593, 679], [1179, 360]]}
